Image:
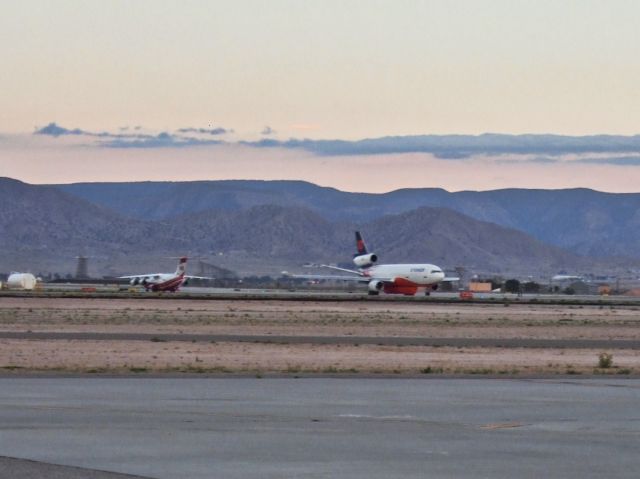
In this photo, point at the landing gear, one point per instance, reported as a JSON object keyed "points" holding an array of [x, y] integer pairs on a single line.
{"points": [[427, 293]]}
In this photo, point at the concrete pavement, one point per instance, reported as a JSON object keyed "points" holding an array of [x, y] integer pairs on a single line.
{"points": [[326, 427]]}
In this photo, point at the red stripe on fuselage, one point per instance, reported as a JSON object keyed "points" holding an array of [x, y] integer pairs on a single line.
{"points": [[401, 286], [405, 283], [172, 283]]}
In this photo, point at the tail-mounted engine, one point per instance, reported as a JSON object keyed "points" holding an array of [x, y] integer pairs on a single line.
{"points": [[365, 260]]}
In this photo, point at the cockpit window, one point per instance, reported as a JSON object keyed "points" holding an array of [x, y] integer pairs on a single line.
{"points": [[435, 271]]}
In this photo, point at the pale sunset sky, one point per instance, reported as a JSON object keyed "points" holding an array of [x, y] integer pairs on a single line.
{"points": [[286, 89]]}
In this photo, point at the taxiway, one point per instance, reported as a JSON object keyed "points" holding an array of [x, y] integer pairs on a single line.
{"points": [[348, 428]]}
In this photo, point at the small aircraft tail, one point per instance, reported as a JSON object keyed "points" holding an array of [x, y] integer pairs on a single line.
{"points": [[182, 266], [360, 246]]}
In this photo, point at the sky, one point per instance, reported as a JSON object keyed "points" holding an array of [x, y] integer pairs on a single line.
{"points": [[283, 89]]}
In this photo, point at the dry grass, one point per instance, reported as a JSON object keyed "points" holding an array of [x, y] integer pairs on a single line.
{"points": [[309, 318]]}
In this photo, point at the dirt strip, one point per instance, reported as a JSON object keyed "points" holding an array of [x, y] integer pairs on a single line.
{"points": [[334, 340], [141, 335], [127, 356]]}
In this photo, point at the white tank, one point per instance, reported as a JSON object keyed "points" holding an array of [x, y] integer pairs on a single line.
{"points": [[21, 281]]}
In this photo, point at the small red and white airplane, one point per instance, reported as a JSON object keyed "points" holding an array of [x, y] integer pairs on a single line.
{"points": [[164, 281], [389, 278]]}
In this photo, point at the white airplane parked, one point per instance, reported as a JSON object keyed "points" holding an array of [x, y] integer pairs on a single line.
{"points": [[163, 281], [390, 278], [566, 277]]}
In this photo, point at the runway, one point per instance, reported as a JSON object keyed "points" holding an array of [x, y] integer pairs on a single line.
{"points": [[13, 468], [349, 428], [332, 340], [100, 291]]}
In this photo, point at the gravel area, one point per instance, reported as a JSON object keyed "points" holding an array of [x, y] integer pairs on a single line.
{"points": [[309, 318]]}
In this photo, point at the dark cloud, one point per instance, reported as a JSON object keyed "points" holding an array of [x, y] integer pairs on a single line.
{"points": [[617, 161], [544, 149], [162, 140], [206, 131], [267, 130], [459, 147], [125, 139], [52, 129]]}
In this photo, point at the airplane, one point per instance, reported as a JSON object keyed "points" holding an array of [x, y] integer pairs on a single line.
{"points": [[163, 281], [566, 277], [389, 278]]}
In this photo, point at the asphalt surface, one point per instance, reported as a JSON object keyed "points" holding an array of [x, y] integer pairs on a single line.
{"points": [[323, 427], [12, 468], [357, 295], [348, 340]]}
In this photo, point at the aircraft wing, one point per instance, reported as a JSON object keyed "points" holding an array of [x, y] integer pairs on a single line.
{"points": [[339, 277], [450, 279], [360, 277], [152, 275], [156, 275], [357, 275], [352, 271]]}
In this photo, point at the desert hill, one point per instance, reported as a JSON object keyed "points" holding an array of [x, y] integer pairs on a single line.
{"points": [[44, 228], [583, 221]]}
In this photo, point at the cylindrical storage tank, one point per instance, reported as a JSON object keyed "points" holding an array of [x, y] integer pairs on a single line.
{"points": [[21, 281]]}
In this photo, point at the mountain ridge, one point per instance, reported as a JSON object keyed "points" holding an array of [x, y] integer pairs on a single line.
{"points": [[584, 221], [44, 226]]}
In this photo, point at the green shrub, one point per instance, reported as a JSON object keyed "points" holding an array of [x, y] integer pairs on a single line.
{"points": [[605, 360]]}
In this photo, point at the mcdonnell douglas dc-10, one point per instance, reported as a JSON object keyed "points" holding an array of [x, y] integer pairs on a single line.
{"points": [[163, 281], [389, 278]]}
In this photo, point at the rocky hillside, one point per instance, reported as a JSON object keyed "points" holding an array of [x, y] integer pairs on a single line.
{"points": [[584, 221], [43, 229]]}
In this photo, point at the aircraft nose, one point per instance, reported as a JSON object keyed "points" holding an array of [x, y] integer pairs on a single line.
{"points": [[440, 276]]}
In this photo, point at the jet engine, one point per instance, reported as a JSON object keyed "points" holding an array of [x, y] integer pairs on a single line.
{"points": [[375, 286], [134, 281], [365, 260]]}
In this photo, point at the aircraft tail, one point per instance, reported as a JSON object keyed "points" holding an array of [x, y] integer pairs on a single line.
{"points": [[360, 246], [182, 266]]}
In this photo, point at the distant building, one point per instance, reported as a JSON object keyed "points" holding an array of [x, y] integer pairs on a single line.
{"points": [[580, 287], [21, 281], [82, 267], [480, 287]]}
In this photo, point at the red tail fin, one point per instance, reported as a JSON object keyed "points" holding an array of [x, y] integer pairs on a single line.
{"points": [[182, 266], [360, 246]]}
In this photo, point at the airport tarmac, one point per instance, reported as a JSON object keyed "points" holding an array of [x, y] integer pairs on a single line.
{"points": [[357, 293], [322, 427]]}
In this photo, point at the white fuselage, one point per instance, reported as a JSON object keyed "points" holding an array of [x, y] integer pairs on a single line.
{"points": [[418, 274], [160, 281]]}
